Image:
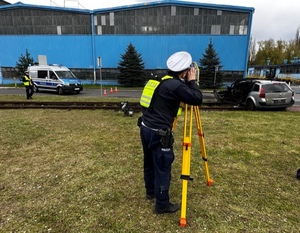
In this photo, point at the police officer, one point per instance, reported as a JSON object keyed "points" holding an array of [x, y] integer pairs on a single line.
{"points": [[156, 124], [27, 81]]}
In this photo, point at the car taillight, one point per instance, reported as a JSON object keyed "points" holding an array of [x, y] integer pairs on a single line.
{"points": [[262, 93]]}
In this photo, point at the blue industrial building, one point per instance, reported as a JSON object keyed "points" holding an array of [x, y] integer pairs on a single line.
{"points": [[77, 37]]}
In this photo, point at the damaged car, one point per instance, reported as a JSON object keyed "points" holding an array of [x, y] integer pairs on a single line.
{"points": [[257, 94]]}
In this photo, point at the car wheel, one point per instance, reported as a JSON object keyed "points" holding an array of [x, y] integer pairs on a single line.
{"points": [[250, 105], [60, 91], [77, 92]]}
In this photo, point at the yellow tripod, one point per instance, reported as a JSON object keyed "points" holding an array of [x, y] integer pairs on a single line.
{"points": [[186, 151]]}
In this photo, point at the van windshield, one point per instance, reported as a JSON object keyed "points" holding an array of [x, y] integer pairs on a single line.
{"points": [[65, 74]]}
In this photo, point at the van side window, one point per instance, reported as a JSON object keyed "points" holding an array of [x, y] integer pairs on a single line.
{"points": [[42, 74], [52, 75]]}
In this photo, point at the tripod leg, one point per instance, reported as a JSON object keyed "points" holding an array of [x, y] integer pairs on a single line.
{"points": [[186, 159], [174, 124], [181, 106], [209, 181]]}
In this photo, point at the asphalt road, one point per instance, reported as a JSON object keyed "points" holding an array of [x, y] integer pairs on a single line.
{"points": [[89, 93], [207, 96]]}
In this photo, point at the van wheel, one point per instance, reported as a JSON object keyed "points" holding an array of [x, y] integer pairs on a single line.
{"points": [[60, 91], [250, 105]]}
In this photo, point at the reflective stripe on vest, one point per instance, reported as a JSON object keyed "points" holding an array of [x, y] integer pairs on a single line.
{"points": [[179, 111], [149, 90]]}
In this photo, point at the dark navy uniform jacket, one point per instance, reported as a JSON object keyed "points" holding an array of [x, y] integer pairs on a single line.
{"points": [[166, 101]]}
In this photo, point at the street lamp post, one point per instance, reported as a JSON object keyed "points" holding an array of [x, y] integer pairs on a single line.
{"points": [[100, 66], [215, 79]]}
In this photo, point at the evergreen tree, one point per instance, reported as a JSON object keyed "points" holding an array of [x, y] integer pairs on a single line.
{"points": [[208, 64], [23, 62], [131, 67]]}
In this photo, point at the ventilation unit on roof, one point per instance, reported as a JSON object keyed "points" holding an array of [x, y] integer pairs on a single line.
{"points": [[68, 4], [42, 59]]}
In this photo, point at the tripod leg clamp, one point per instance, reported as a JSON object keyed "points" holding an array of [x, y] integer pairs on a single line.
{"points": [[187, 145], [186, 177]]}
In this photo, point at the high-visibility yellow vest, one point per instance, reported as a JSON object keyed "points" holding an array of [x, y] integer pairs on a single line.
{"points": [[149, 89], [27, 80]]}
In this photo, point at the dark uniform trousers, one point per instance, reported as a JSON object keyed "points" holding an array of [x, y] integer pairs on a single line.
{"points": [[29, 91], [157, 167]]}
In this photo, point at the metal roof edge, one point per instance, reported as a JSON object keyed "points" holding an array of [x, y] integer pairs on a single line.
{"points": [[32, 6], [176, 3], [132, 6]]}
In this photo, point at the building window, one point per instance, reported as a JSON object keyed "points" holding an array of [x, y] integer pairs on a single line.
{"points": [[148, 20], [243, 30], [196, 11], [58, 30], [215, 29], [95, 20], [99, 30], [103, 22], [173, 10], [188, 20], [111, 19], [231, 30], [26, 21]]}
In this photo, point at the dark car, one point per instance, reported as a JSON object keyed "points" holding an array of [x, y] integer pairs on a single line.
{"points": [[258, 94]]}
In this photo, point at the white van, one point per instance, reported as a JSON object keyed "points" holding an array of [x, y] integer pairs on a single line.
{"points": [[54, 77]]}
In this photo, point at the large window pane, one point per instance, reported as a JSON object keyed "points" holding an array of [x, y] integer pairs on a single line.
{"points": [[147, 20]]}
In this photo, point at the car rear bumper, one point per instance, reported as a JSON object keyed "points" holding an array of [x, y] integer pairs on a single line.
{"points": [[264, 105]]}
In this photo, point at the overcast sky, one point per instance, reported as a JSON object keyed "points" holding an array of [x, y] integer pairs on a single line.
{"points": [[273, 19]]}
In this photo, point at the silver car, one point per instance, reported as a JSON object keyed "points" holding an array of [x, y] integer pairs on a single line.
{"points": [[258, 94]]}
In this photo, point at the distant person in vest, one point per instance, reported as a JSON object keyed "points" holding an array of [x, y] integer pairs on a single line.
{"points": [[28, 85], [179, 85]]}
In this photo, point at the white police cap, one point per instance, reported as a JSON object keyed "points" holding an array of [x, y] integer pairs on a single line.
{"points": [[179, 61]]}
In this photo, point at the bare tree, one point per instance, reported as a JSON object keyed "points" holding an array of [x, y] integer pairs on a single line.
{"points": [[251, 51], [297, 38]]}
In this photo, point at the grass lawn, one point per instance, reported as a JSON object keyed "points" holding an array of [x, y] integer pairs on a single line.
{"points": [[82, 171]]}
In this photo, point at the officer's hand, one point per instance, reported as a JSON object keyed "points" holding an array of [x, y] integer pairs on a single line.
{"points": [[191, 75]]}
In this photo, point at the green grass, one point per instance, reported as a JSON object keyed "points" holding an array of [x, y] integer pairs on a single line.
{"points": [[82, 171], [66, 98]]}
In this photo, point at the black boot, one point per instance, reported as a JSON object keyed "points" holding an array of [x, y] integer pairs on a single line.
{"points": [[172, 208]]}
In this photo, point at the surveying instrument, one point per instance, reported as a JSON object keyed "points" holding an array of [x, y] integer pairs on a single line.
{"points": [[186, 149]]}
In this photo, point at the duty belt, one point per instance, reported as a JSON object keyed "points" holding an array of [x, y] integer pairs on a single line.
{"points": [[143, 124]]}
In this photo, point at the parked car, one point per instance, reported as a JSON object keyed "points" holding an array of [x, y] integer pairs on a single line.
{"points": [[258, 94]]}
